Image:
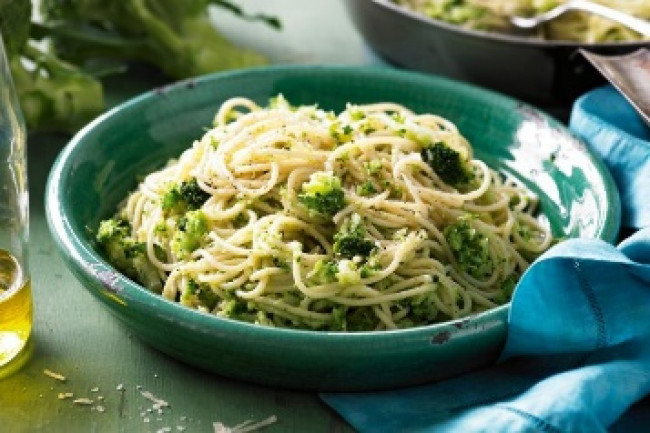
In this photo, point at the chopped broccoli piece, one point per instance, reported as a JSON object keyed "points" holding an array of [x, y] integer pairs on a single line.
{"points": [[186, 196], [447, 163], [323, 194], [282, 264], [324, 271], [341, 133], [348, 273], [339, 319], [200, 295], [507, 288], [373, 166], [361, 319], [423, 308], [350, 240], [233, 308], [126, 254], [367, 188], [189, 234], [470, 248]]}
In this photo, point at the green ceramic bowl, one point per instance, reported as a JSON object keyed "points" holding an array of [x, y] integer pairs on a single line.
{"points": [[101, 163]]}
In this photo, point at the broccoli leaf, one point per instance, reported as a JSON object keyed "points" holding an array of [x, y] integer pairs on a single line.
{"points": [[15, 16]]}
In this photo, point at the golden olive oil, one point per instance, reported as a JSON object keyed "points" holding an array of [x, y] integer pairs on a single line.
{"points": [[15, 313]]}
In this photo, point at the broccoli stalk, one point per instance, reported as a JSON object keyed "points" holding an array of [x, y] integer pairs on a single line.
{"points": [[175, 36], [53, 94], [323, 194]]}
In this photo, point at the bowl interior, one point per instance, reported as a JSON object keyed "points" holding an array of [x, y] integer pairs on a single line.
{"points": [[104, 161]]}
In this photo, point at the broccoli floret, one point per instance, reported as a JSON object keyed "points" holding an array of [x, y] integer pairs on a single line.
{"points": [[470, 248], [348, 274], [126, 254], [367, 188], [324, 271], [339, 318], [323, 194], [361, 319], [341, 133], [507, 288], [189, 234], [196, 294], [350, 240], [447, 163], [186, 196], [373, 166], [423, 308]]}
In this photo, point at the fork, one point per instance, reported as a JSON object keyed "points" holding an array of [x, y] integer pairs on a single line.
{"points": [[636, 24]]}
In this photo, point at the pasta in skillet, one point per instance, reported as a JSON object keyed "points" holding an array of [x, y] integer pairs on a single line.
{"points": [[493, 15]]}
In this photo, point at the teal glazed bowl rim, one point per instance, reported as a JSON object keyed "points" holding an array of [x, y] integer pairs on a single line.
{"points": [[97, 168]]}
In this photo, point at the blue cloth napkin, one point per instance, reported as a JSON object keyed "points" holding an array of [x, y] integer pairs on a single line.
{"points": [[607, 122], [577, 357]]}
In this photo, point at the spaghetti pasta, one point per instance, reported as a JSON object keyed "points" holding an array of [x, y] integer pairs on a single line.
{"points": [[375, 218]]}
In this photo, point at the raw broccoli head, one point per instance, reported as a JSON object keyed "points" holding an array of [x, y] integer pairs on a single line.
{"points": [[323, 194], [447, 163], [351, 241], [470, 248], [175, 36], [53, 94]]}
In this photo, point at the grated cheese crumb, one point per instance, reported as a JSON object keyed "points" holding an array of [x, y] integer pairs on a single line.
{"points": [[99, 408], [246, 426], [54, 375], [95, 389], [158, 403], [83, 400], [120, 387], [64, 395]]}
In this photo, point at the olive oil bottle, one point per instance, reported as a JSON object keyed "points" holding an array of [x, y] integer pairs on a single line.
{"points": [[15, 288], [15, 313]]}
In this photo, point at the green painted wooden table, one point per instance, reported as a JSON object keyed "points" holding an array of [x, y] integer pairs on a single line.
{"points": [[76, 337]]}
